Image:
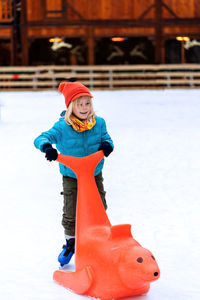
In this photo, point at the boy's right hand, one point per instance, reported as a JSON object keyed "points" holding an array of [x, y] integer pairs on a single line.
{"points": [[51, 153]]}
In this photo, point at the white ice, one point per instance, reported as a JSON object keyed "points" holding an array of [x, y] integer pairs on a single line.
{"points": [[152, 181]]}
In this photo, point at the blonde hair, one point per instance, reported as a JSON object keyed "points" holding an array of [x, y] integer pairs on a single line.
{"points": [[69, 110]]}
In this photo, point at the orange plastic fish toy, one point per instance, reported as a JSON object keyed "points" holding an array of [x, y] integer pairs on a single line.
{"points": [[109, 263]]}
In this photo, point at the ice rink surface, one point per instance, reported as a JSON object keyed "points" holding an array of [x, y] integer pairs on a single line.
{"points": [[152, 181]]}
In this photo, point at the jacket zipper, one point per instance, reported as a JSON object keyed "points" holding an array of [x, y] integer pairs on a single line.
{"points": [[84, 143]]}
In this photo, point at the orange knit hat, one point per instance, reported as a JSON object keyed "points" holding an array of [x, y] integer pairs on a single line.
{"points": [[73, 90]]}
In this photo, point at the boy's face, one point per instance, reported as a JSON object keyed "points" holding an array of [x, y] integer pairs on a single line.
{"points": [[82, 107]]}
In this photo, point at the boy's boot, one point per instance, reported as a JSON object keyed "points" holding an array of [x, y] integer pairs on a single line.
{"points": [[67, 252]]}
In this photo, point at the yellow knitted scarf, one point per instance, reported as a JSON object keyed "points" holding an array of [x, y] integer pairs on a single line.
{"points": [[80, 126]]}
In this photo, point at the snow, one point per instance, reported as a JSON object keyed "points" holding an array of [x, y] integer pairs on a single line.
{"points": [[152, 182]]}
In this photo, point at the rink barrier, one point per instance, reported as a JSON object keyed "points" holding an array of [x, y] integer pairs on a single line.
{"points": [[101, 77]]}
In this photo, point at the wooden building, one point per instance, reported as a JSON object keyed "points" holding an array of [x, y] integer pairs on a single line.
{"points": [[81, 31]]}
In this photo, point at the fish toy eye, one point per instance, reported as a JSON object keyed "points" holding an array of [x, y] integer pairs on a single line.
{"points": [[140, 260]]}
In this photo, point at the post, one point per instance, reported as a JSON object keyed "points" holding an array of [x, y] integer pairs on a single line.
{"points": [[91, 43], [14, 41], [158, 31], [24, 39], [182, 39], [182, 52]]}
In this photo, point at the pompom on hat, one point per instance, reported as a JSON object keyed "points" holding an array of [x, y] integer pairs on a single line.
{"points": [[73, 90]]}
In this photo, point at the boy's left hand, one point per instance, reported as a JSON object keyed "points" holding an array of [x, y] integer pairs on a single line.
{"points": [[106, 147]]}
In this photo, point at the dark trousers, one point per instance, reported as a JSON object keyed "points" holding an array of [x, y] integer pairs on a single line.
{"points": [[70, 196]]}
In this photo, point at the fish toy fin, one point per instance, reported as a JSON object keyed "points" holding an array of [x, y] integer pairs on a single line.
{"points": [[78, 281], [122, 230], [90, 210]]}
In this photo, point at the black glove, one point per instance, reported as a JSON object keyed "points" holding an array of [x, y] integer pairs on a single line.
{"points": [[106, 147], [51, 153]]}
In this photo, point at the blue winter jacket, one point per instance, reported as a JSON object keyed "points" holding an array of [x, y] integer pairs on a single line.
{"points": [[73, 143]]}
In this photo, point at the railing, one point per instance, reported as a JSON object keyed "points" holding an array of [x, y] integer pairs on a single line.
{"points": [[101, 77], [6, 14]]}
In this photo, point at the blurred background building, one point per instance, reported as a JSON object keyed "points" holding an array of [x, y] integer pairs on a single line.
{"points": [[99, 32]]}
